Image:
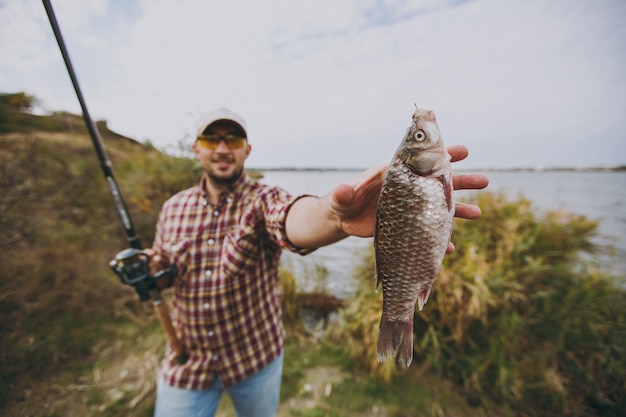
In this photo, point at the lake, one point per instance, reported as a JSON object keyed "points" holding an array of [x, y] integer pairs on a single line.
{"points": [[596, 195]]}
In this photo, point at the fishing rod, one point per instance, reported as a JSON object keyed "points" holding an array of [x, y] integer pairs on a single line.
{"points": [[132, 264]]}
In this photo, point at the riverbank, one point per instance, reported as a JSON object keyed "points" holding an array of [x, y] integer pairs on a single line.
{"points": [[518, 324], [319, 380]]}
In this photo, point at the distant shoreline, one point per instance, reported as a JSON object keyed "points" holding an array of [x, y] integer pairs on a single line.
{"points": [[620, 168]]}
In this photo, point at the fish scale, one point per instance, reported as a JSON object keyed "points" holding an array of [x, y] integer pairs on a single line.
{"points": [[413, 226]]}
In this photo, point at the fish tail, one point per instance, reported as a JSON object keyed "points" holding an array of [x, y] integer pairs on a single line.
{"points": [[395, 337]]}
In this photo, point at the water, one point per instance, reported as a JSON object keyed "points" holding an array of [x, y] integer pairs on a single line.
{"points": [[338, 259], [596, 195]]}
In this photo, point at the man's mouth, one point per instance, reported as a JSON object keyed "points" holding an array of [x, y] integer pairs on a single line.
{"points": [[223, 163]]}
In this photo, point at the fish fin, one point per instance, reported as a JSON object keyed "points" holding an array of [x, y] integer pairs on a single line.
{"points": [[395, 337], [448, 187], [422, 298]]}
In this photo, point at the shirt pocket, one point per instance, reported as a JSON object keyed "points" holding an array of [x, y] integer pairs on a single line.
{"points": [[177, 252], [240, 252]]}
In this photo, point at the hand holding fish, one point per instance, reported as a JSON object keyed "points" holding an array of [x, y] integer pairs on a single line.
{"points": [[408, 207], [355, 201], [350, 209]]}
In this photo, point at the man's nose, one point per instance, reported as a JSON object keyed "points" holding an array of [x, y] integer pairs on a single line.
{"points": [[222, 147]]}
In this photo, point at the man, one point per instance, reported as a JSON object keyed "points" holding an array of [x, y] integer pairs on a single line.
{"points": [[226, 235]]}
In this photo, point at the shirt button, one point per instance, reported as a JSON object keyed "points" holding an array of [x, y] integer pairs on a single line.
{"points": [[211, 241], [206, 306], [210, 334], [215, 358], [203, 202], [208, 273], [216, 213]]}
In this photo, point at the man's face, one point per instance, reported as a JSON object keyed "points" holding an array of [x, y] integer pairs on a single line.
{"points": [[223, 165]]}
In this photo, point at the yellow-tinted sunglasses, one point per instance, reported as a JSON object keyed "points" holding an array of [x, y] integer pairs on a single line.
{"points": [[212, 141]]}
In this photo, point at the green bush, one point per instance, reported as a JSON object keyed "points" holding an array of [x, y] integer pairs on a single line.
{"points": [[516, 318]]}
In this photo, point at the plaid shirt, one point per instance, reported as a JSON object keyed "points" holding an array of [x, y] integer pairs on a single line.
{"points": [[226, 308]]}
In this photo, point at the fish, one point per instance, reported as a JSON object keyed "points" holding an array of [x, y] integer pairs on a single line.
{"points": [[414, 217]]}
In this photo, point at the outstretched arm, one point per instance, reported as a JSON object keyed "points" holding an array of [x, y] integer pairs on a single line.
{"points": [[351, 207]]}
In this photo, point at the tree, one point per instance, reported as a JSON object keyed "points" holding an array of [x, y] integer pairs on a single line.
{"points": [[20, 102]]}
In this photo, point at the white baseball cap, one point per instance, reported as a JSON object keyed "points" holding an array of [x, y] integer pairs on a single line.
{"points": [[219, 115]]}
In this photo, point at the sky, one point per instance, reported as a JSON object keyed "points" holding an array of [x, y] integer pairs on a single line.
{"points": [[328, 83]]}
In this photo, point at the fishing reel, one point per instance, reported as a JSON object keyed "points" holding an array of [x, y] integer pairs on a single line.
{"points": [[132, 266]]}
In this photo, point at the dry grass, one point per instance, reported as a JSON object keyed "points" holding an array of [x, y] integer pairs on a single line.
{"points": [[58, 296], [516, 318]]}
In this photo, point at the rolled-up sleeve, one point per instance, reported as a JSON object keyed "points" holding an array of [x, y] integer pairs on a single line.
{"points": [[277, 203]]}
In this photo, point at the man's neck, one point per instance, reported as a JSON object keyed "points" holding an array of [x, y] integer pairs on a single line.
{"points": [[214, 189]]}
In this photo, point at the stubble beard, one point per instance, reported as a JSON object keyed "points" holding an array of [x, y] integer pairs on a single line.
{"points": [[224, 179]]}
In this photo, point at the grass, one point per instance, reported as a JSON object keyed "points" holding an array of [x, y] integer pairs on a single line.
{"points": [[356, 392]]}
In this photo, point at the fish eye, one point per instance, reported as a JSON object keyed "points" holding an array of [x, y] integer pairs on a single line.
{"points": [[420, 135]]}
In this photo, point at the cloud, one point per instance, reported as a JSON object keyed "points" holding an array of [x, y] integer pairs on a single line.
{"points": [[334, 83]]}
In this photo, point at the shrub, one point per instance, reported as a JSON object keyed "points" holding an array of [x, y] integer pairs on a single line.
{"points": [[516, 318]]}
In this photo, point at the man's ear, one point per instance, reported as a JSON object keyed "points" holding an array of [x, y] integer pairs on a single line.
{"points": [[195, 149]]}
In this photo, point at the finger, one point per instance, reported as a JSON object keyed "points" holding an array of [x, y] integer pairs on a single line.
{"points": [[470, 181], [375, 174], [342, 194], [345, 194], [450, 248], [457, 153], [467, 211]]}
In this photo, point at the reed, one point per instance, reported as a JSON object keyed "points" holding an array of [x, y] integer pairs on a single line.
{"points": [[517, 318]]}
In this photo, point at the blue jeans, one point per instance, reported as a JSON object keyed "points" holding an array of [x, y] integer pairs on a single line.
{"points": [[256, 396]]}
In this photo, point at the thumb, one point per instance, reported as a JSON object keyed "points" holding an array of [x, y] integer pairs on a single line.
{"points": [[342, 195]]}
